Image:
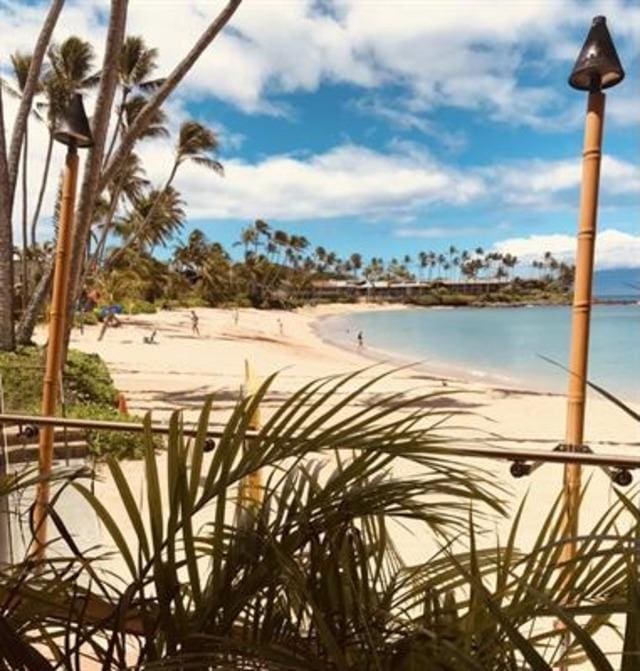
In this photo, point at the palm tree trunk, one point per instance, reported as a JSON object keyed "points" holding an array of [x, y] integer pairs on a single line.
{"points": [[29, 319], [116, 130], [9, 162], [91, 187], [7, 340], [29, 90], [135, 236], [25, 226], [102, 242], [95, 180], [43, 188]]}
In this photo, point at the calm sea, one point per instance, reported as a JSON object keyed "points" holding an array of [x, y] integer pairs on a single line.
{"points": [[501, 345]]}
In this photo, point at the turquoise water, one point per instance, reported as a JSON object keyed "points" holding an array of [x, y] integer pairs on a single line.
{"points": [[501, 345]]}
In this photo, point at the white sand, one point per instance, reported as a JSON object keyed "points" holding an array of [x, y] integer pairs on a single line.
{"points": [[181, 369]]}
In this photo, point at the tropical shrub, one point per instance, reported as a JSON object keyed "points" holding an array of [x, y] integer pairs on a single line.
{"points": [[89, 393], [280, 557], [137, 306]]}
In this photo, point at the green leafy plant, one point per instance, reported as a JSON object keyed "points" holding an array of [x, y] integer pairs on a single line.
{"points": [[302, 572]]}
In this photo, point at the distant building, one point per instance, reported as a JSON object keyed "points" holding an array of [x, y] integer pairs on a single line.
{"points": [[385, 290]]}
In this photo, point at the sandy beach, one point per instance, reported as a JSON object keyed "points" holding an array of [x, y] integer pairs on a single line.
{"points": [[182, 369]]}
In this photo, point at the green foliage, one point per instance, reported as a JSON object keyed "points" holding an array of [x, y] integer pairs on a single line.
{"points": [[442, 298], [87, 380], [89, 394], [136, 306], [21, 373], [85, 319], [117, 444], [304, 575]]}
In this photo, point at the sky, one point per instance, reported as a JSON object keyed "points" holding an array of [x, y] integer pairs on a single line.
{"points": [[385, 128]]}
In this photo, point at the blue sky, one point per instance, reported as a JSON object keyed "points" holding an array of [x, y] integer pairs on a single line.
{"points": [[390, 128]]}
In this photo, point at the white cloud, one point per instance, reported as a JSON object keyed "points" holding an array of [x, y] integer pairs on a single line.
{"points": [[348, 180], [538, 183], [614, 248], [458, 53], [448, 232]]}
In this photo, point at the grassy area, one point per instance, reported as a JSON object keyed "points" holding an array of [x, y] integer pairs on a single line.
{"points": [[89, 392]]}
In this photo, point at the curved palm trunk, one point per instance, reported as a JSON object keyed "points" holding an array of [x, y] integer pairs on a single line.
{"points": [[29, 90], [43, 188], [137, 234], [8, 172], [93, 168], [102, 242], [27, 324], [25, 226], [116, 130], [7, 341]]}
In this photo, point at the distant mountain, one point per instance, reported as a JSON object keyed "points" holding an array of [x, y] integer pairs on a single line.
{"points": [[617, 282]]}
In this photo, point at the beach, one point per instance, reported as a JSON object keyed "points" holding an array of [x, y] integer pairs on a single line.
{"points": [[182, 369]]}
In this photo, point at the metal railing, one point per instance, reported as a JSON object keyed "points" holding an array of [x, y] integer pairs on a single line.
{"points": [[520, 457]]}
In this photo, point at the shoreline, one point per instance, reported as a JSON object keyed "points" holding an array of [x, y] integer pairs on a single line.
{"points": [[435, 371], [182, 370]]}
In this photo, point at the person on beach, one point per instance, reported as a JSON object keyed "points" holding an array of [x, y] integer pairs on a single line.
{"points": [[280, 327], [360, 340], [194, 323], [236, 316]]}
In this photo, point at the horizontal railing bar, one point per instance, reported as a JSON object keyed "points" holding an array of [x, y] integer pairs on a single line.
{"points": [[487, 452], [103, 425]]}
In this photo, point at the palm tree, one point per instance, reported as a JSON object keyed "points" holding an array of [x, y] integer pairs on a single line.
{"points": [[21, 64], [130, 185], [248, 238], [155, 219], [195, 143], [356, 262], [137, 64], [320, 254], [128, 180], [70, 69]]}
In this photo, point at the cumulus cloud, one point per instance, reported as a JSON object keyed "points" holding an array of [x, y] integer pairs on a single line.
{"points": [[537, 183], [614, 248], [348, 180], [280, 47]]}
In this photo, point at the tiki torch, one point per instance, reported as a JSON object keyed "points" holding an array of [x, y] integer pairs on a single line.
{"points": [[73, 131]]}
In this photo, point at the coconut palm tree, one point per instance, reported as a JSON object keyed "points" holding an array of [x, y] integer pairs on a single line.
{"points": [[21, 63], [135, 68], [356, 262], [70, 69], [129, 186], [128, 180], [154, 220], [195, 143], [248, 238]]}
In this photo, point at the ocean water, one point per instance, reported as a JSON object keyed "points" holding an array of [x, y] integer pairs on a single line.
{"points": [[501, 346]]}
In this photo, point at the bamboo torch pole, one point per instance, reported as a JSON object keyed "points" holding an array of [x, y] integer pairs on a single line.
{"points": [[57, 319], [578, 361]]}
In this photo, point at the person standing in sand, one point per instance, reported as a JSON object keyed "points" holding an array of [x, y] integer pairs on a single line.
{"points": [[194, 323]]}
